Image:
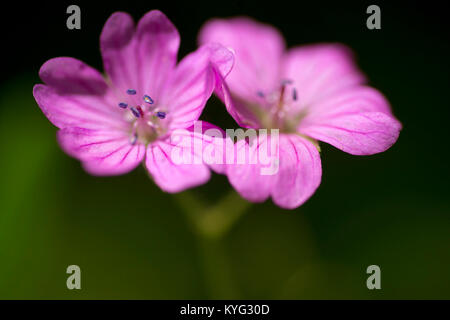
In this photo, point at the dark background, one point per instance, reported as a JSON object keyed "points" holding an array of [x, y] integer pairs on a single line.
{"points": [[131, 240]]}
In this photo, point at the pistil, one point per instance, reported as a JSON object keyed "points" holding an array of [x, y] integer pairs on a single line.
{"points": [[279, 104]]}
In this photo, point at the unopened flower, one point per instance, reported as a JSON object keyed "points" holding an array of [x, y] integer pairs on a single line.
{"points": [[112, 124], [311, 93]]}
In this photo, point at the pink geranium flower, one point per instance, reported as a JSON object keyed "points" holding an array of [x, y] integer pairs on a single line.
{"points": [[310, 93], [112, 124]]}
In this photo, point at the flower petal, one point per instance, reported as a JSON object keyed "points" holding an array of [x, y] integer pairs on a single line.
{"points": [[72, 76], [357, 121], [75, 94], [258, 48], [175, 176], [158, 41], [240, 112], [299, 174], [318, 71], [139, 60], [103, 152], [211, 143], [193, 82], [353, 99], [251, 159], [290, 178], [118, 50]]}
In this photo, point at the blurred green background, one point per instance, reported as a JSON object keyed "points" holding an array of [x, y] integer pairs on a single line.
{"points": [[132, 241]]}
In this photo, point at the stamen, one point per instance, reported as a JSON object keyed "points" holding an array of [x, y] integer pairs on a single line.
{"points": [[286, 82], [280, 100], [133, 139], [123, 105], [260, 94], [131, 92], [148, 99], [135, 112], [140, 110], [161, 114], [294, 94]]}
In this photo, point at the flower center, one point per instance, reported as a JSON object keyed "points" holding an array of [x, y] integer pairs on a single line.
{"points": [[145, 117], [280, 106]]}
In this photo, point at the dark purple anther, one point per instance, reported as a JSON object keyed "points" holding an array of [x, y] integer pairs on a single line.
{"points": [[135, 112], [294, 94], [161, 114], [260, 94], [133, 139], [123, 105], [131, 92], [148, 99]]}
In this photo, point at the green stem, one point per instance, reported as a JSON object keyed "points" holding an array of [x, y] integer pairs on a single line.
{"points": [[212, 221], [217, 269], [211, 224]]}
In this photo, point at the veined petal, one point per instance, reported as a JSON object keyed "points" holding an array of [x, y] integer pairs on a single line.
{"points": [[352, 99], [237, 109], [211, 143], [175, 175], [193, 82], [252, 158], [118, 50], [317, 71], [258, 48], [158, 41], [362, 133], [290, 177], [102, 152], [140, 59], [299, 174], [75, 94], [357, 121], [71, 76]]}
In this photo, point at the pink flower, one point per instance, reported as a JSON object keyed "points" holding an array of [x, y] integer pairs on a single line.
{"points": [[113, 124], [310, 93]]}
